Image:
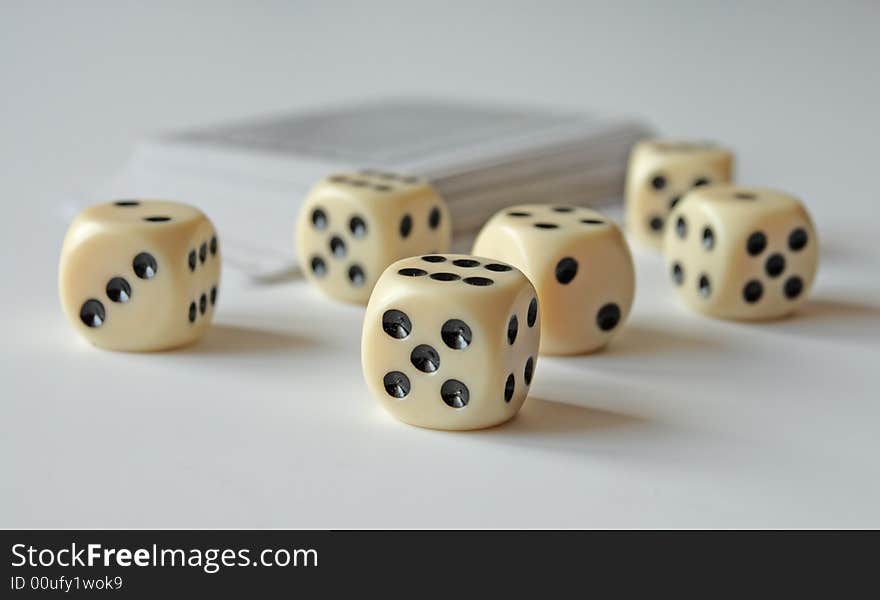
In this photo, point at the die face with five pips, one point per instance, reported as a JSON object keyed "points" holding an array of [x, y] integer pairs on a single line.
{"points": [[353, 225], [140, 275], [580, 263], [660, 172], [450, 341], [741, 253]]}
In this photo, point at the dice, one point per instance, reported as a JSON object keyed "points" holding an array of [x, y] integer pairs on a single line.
{"points": [[140, 275], [741, 253], [580, 264], [659, 174], [352, 226], [451, 341]]}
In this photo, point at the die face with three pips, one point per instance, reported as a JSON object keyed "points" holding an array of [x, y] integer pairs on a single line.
{"points": [[580, 263], [353, 225], [660, 172], [140, 275], [741, 253], [450, 341]]}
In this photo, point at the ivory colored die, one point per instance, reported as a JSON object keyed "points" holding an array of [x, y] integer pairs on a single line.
{"points": [[660, 172], [580, 264], [450, 341], [140, 275], [354, 225], [741, 253]]}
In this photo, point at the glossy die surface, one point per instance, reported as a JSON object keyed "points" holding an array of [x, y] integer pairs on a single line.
{"points": [[451, 341], [580, 263], [741, 253], [660, 172], [353, 225], [140, 275]]}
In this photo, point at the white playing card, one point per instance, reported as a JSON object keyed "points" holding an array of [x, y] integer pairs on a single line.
{"points": [[251, 177]]}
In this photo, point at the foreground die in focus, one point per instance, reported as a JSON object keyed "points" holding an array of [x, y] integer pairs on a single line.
{"points": [[451, 341], [741, 253], [579, 262], [659, 174], [140, 275], [352, 226]]}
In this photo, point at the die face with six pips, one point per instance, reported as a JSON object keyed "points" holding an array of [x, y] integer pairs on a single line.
{"points": [[580, 264], [140, 275], [741, 253], [450, 341], [353, 225], [660, 173]]}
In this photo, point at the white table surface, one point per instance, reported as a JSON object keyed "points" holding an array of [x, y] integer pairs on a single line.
{"points": [[683, 421]]}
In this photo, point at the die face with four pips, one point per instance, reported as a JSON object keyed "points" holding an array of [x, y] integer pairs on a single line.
{"points": [[741, 253], [353, 225], [580, 263], [140, 275], [450, 341], [660, 172]]}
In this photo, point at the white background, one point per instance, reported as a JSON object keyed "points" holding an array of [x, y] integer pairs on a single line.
{"points": [[684, 421]]}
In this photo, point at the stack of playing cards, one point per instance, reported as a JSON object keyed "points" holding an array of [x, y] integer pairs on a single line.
{"points": [[252, 177]]}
